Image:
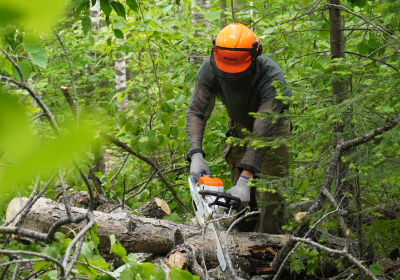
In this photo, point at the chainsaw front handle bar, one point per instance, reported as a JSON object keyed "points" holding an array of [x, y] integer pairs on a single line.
{"points": [[230, 200]]}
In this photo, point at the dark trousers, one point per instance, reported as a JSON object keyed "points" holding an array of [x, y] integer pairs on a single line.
{"points": [[271, 204]]}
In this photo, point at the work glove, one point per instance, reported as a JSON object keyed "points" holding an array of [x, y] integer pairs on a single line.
{"points": [[198, 164], [242, 191]]}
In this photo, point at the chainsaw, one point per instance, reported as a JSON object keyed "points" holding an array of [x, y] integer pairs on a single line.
{"points": [[211, 203]]}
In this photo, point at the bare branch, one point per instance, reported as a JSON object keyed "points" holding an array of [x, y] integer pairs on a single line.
{"points": [[226, 253], [337, 252], [43, 256], [77, 238], [149, 162], [119, 170], [99, 269], [377, 60], [378, 28], [72, 74], [21, 76], [70, 102], [38, 116], [21, 261], [64, 190], [26, 210], [311, 10]]}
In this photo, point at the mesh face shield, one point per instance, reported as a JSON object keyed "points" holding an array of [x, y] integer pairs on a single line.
{"points": [[233, 63]]}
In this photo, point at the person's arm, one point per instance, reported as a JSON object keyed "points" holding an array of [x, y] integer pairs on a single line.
{"points": [[197, 114]]}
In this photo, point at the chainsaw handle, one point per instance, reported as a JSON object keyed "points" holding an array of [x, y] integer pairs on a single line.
{"points": [[230, 200]]}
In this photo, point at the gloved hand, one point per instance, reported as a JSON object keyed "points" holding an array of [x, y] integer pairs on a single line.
{"points": [[198, 164], [242, 191]]}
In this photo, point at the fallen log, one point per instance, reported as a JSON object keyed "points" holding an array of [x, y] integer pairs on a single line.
{"points": [[251, 252]]}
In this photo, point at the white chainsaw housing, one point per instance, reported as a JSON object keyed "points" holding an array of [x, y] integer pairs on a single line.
{"points": [[203, 211]]}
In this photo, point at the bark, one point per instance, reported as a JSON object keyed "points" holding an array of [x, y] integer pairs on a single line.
{"points": [[120, 80], [339, 93], [251, 252], [69, 99], [155, 208], [222, 16], [98, 164], [196, 55]]}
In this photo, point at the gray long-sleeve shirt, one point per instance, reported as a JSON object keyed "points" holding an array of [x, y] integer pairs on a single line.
{"points": [[254, 93]]}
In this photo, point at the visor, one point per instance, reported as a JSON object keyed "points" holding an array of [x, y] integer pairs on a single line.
{"points": [[232, 63]]}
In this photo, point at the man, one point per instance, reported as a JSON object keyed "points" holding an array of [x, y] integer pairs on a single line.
{"points": [[241, 77]]}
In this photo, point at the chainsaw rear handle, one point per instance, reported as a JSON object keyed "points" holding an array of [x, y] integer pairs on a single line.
{"points": [[230, 200]]}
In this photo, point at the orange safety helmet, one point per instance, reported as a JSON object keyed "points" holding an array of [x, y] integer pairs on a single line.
{"points": [[235, 48]]}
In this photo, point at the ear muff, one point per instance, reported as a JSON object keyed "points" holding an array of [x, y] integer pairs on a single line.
{"points": [[260, 48], [214, 40], [258, 45]]}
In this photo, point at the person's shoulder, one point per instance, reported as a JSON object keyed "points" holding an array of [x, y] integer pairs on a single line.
{"points": [[205, 73], [268, 66]]}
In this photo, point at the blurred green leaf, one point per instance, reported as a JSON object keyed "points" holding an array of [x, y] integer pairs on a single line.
{"points": [[118, 33], [133, 5], [105, 7], [38, 14], [86, 23], [119, 8]]}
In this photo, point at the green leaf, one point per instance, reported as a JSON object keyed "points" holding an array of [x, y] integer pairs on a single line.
{"points": [[168, 90], [180, 100], [25, 273], [26, 70], [164, 130], [118, 250], [154, 142], [296, 266], [10, 30], [177, 273], [133, 5], [86, 23], [174, 132], [127, 274], [90, 155], [95, 237], [376, 269], [173, 218], [38, 14], [52, 251], [39, 58], [118, 33], [363, 48], [78, 11], [119, 8], [40, 265], [150, 133], [324, 34], [373, 45], [105, 7], [209, 147]]}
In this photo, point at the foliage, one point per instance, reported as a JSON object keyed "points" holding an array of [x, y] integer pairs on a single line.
{"points": [[157, 40]]}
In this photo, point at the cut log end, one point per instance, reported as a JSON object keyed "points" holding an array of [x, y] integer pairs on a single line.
{"points": [[155, 208], [14, 206]]}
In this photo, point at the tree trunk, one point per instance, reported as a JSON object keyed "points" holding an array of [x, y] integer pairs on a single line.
{"points": [[339, 93], [196, 55], [120, 80], [251, 252]]}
